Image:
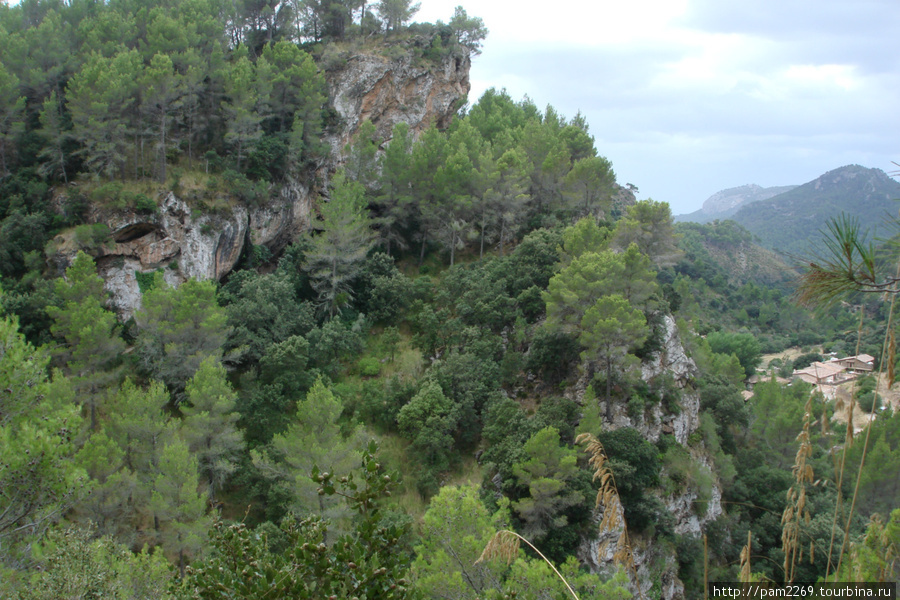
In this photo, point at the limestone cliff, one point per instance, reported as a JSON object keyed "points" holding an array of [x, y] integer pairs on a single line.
{"points": [[657, 567], [387, 91], [186, 242], [183, 242]]}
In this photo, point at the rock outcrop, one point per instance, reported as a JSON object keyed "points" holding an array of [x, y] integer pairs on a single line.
{"points": [[186, 242], [371, 87], [657, 568], [182, 242]]}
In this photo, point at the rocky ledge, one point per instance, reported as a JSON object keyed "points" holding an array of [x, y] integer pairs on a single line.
{"points": [[184, 243]]}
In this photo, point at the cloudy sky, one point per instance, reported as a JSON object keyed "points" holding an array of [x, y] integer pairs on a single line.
{"points": [[689, 97]]}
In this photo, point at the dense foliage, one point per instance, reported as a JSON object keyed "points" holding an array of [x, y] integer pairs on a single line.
{"points": [[472, 298]]}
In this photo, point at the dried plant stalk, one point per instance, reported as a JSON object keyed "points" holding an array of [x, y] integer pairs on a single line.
{"points": [[796, 511], [505, 544], [744, 576], [608, 499]]}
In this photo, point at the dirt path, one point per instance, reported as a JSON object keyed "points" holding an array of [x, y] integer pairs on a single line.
{"points": [[861, 418]]}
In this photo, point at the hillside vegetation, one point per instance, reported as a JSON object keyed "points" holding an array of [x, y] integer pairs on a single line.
{"points": [[421, 371]]}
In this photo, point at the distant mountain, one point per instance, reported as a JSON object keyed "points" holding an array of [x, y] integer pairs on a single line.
{"points": [[722, 205], [792, 222]]}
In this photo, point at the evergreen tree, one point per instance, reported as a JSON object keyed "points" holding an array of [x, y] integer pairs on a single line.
{"points": [[298, 92], [179, 510], [429, 420], [468, 31], [92, 345], [609, 330], [241, 108], [209, 423], [337, 251], [546, 469], [179, 327], [315, 440], [100, 98], [39, 481], [394, 200], [396, 13], [55, 133], [649, 225], [455, 530], [506, 196], [163, 89], [109, 507], [139, 424], [12, 115], [589, 186]]}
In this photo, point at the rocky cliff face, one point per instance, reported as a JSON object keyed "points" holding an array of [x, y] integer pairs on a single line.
{"points": [[657, 568], [386, 92], [185, 242]]}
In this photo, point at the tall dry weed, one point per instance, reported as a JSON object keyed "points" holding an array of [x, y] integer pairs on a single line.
{"points": [[608, 500]]}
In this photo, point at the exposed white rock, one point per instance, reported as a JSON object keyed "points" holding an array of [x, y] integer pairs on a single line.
{"points": [[385, 91], [184, 243]]}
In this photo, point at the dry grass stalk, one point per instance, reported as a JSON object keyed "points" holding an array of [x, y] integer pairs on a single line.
{"points": [[796, 512], [608, 499], [892, 352], [505, 544], [744, 576], [862, 460]]}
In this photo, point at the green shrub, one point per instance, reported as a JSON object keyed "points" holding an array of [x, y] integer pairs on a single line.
{"points": [[145, 280], [144, 204], [92, 237], [869, 401], [369, 366]]}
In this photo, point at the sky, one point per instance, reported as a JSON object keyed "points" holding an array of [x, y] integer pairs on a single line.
{"points": [[690, 97]]}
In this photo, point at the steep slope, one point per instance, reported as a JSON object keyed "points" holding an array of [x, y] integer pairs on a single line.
{"points": [[724, 248], [791, 222], [722, 205], [185, 238]]}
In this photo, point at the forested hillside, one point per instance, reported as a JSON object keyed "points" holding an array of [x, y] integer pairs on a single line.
{"points": [[480, 338]]}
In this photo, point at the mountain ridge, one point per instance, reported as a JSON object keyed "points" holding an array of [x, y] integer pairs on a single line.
{"points": [[725, 203], [792, 222]]}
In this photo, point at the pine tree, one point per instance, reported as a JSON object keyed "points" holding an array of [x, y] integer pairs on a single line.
{"points": [[209, 424], [39, 481], [455, 529], [315, 440], [545, 471], [589, 186], [609, 330], [12, 113], [92, 345], [179, 327], [100, 98], [338, 250], [244, 121], [394, 200], [163, 89], [179, 510], [54, 131]]}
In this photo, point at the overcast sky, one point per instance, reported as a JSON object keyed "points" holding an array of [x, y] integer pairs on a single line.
{"points": [[689, 97]]}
